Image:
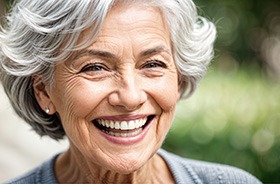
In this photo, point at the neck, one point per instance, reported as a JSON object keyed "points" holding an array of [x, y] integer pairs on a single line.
{"points": [[72, 167]]}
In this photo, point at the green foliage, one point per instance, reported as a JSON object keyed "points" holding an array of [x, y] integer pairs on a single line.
{"points": [[242, 24], [233, 118]]}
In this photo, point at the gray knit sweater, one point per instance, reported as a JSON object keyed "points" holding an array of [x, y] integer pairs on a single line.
{"points": [[183, 170]]}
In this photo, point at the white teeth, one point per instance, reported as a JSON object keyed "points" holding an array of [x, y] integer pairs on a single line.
{"points": [[117, 134], [131, 125], [117, 125], [107, 123], [123, 125], [112, 125]]}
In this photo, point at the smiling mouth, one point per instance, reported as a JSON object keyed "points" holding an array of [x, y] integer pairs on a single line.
{"points": [[127, 128]]}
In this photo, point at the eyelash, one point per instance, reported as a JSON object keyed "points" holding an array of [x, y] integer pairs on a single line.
{"points": [[97, 67], [155, 63]]}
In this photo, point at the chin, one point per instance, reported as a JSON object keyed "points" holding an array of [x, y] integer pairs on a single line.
{"points": [[128, 167], [125, 165]]}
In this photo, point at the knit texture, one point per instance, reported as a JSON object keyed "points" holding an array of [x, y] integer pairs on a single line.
{"points": [[184, 171], [188, 171]]}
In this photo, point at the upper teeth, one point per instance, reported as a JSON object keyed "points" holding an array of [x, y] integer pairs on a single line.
{"points": [[123, 125]]}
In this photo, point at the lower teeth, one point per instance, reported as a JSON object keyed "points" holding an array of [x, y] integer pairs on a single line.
{"points": [[127, 134]]}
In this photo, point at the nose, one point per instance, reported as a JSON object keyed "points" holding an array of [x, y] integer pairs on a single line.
{"points": [[129, 93]]}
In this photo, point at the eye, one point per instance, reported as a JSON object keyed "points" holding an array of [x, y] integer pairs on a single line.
{"points": [[93, 68], [154, 64]]}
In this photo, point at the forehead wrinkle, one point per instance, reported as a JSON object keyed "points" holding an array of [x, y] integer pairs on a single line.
{"points": [[95, 53], [141, 35]]}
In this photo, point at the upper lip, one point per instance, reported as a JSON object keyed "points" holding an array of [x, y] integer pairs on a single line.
{"points": [[123, 117]]}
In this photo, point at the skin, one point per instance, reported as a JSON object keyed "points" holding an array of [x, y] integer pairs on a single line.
{"points": [[136, 76]]}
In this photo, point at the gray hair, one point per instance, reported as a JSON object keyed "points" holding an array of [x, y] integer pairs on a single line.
{"points": [[39, 34]]}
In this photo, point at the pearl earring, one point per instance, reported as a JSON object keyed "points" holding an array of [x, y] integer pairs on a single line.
{"points": [[47, 110]]}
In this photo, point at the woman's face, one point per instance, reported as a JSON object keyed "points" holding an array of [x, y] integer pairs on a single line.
{"points": [[116, 98]]}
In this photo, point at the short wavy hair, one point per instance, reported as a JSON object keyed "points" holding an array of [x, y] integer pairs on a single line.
{"points": [[39, 34]]}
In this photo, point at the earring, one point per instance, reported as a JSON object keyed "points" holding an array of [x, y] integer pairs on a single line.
{"points": [[47, 110]]}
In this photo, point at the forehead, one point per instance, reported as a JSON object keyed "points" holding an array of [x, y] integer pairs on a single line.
{"points": [[126, 14], [132, 26], [135, 22]]}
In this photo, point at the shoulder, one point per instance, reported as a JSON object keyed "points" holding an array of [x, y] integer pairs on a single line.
{"points": [[41, 174], [196, 171]]}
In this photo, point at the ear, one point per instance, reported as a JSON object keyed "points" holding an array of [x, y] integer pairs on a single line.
{"points": [[42, 96]]}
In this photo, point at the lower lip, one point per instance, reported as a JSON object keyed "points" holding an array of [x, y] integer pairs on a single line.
{"points": [[127, 140]]}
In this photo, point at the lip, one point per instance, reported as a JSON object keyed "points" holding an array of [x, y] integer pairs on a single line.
{"points": [[127, 140]]}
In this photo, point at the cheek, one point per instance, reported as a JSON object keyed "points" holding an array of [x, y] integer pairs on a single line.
{"points": [[77, 99], [75, 102], [166, 93]]}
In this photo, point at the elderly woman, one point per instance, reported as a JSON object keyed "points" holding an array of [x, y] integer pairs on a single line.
{"points": [[108, 75]]}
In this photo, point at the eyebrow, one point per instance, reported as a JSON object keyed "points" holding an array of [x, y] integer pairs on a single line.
{"points": [[108, 55], [99, 53], [155, 50]]}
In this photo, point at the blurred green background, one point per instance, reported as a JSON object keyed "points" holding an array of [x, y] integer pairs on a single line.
{"points": [[234, 116]]}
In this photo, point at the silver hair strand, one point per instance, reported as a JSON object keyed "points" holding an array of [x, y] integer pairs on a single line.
{"points": [[37, 35]]}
